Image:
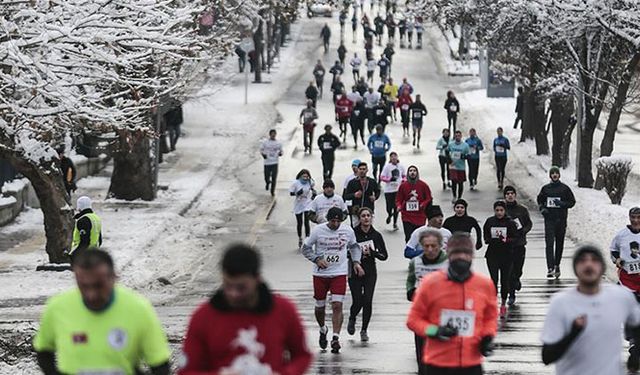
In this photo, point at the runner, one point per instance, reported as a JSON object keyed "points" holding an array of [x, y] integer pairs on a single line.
{"points": [[391, 27], [381, 115], [318, 73], [458, 153], [325, 34], [307, 119], [342, 19], [418, 112], [475, 146], [354, 26], [233, 332], [312, 93], [336, 70], [452, 107], [328, 143], [419, 31], [388, 53], [379, 25], [443, 157], [500, 147], [404, 103], [413, 200], [378, 145], [342, 53], [303, 191], [406, 86], [354, 167], [385, 64], [393, 174], [371, 68], [357, 123], [582, 327], [462, 222], [327, 248], [100, 326], [410, 27], [520, 216], [321, 204], [455, 311], [625, 252], [337, 88], [371, 99], [435, 217], [271, 150], [499, 233], [390, 93], [554, 201], [355, 66], [402, 28], [344, 107], [355, 95], [433, 259], [362, 192], [362, 288]]}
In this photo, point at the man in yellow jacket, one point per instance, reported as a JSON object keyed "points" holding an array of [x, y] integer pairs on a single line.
{"points": [[87, 233]]}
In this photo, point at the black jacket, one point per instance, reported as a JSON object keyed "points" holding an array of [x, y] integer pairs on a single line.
{"points": [[358, 113], [520, 213], [337, 87], [565, 200], [342, 52], [418, 107], [325, 33], [380, 113], [519, 103], [68, 169], [380, 251], [464, 223], [503, 245], [311, 93], [332, 141], [454, 101], [371, 188]]}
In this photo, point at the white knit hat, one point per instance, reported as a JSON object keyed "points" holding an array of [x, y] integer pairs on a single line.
{"points": [[83, 203]]}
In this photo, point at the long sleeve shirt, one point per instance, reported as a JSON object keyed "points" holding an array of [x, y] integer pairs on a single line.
{"points": [[555, 199], [378, 144]]}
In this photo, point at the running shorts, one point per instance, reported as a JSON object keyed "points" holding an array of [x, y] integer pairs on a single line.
{"points": [[337, 285], [417, 124], [630, 281], [457, 176]]}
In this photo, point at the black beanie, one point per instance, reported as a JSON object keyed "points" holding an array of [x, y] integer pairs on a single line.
{"points": [[588, 249], [508, 189], [434, 211]]}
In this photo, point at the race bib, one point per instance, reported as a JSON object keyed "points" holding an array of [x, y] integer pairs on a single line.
{"points": [[308, 115], [518, 223], [326, 145], [464, 321], [356, 112], [367, 247], [473, 150], [404, 107], [333, 258], [457, 155], [344, 109], [551, 202], [453, 108], [498, 232], [499, 148], [379, 112], [413, 206], [632, 268], [417, 114], [378, 144], [349, 203]]}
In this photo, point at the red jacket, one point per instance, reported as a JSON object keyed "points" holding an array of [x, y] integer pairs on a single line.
{"points": [[476, 296], [217, 336], [421, 191], [344, 107], [404, 100]]}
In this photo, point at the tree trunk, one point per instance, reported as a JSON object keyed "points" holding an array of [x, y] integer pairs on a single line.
{"points": [[528, 115], [561, 112], [54, 203], [540, 122], [589, 124], [258, 42], [132, 171], [269, 42]]}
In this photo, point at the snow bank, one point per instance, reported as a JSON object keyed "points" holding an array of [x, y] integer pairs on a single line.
{"points": [[14, 186], [6, 201]]}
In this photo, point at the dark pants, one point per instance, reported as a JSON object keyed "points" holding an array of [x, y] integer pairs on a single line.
{"points": [[319, 86], [270, 176], [457, 188], [370, 120], [475, 370], [357, 126], [408, 230], [500, 268], [519, 253], [174, 134], [501, 165], [554, 231], [328, 160], [378, 161], [444, 168], [392, 210], [362, 289], [474, 166], [308, 139], [452, 118], [343, 122], [404, 117], [419, 341], [300, 218]]}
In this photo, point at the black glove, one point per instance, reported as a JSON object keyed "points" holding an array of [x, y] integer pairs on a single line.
{"points": [[410, 294], [558, 203], [299, 192], [486, 346], [633, 363], [445, 333]]}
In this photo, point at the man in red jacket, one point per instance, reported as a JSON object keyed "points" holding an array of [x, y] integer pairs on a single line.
{"points": [[414, 196], [344, 107], [244, 328]]}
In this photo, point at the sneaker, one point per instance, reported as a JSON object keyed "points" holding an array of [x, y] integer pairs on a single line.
{"points": [[418, 146], [550, 273], [323, 338], [444, 186], [300, 242], [518, 285], [414, 142], [335, 345], [448, 183], [556, 272], [499, 186], [266, 186], [503, 311], [512, 300], [395, 226], [453, 200], [388, 219], [351, 326], [364, 337]]}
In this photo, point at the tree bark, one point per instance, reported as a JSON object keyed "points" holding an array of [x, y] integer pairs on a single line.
{"points": [[258, 47], [54, 203], [528, 115], [562, 109], [540, 122], [592, 111], [132, 171]]}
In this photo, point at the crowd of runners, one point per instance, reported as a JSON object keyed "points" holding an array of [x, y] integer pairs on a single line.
{"points": [[102, 327]]}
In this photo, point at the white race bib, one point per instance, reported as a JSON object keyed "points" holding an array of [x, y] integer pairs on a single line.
{"points": [[326, 145], [551, 202], [413, 206], [499, 148], [632, 268], [333, 258], [453, 108], [379, 112], [463, 320], [349, 203], [518, 223], [367, 246], [378, 144], [457, 155], [473, 150], [498, 232], [356, 112], [417, 114], [308, 115], [404, 107]]}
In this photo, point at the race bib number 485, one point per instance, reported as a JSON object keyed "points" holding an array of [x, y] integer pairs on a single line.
{"points": [[463, 320]]}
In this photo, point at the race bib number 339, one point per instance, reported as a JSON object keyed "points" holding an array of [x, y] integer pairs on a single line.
{"points": [[463, 320]]}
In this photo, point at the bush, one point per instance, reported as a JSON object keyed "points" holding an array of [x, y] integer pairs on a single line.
{"points": [[614, 171]]}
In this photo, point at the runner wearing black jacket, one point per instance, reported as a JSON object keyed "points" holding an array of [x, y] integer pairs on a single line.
{"points": [[362, 287], [362, 191], [499, 232], [520, 216], [462, 222], [328, 143], [357, 123]]}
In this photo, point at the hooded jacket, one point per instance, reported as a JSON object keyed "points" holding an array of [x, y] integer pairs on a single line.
{"points": [[413, 199]]}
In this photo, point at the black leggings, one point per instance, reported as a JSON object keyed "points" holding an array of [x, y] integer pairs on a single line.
{"points": [[501, 266], [392, 209], [519, 253], [299, 219], [501, 164], [408, 230], [474, 166], [362, 295], [419, 341], [357, 126], [328, 161], [452, 118], [444, 167], [457, 188], [404, 115], [378, 163]]}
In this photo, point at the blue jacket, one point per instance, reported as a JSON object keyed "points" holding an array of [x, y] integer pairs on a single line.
{"points": [[500, 146], [475, 146], [378, 144]]}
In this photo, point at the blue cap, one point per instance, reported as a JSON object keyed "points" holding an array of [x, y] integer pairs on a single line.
{"points": [[355, 162]]}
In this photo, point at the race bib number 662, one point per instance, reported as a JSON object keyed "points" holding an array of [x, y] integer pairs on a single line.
{"points": [[463, 320], [333, 258]]}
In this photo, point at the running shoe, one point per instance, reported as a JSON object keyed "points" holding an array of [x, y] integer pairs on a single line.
{"points": [[512, 300], [323, 338], [300, 242], [550, 273], [351, 326], [364, 337], [556, 272], [266, 186], [335, 345], [395, 226], [444, 186], [388, 219], [503, 311]]}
